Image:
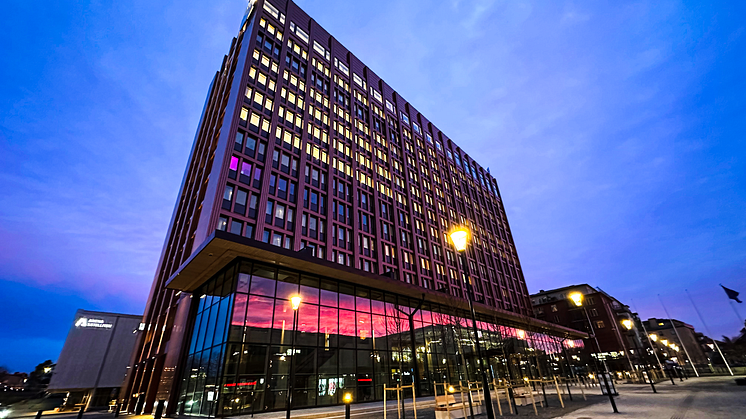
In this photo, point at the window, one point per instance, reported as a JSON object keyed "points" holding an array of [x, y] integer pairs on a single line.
{"points": [[280, 215], [238, 145], [376, 94], [282, 188], [600, 324], [253, 201], [257, 182], [249, 231], [594, 312], [343, 68], [233, 167], [390, 106], [298, 31], [241, 198], [269, 212], [227, 197], [276, 239], [236, 227], [321, 50], [222, 223], [274, 12]]}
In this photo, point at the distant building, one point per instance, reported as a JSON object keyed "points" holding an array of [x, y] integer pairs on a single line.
{"points": [[12, 382], [689, 339], [94, 360], [604, 311]]}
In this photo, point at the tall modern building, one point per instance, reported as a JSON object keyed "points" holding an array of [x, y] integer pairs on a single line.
{"points": [[310, 176]]}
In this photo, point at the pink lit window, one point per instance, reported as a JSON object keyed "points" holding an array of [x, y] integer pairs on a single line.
{"points": [[245, 169]]}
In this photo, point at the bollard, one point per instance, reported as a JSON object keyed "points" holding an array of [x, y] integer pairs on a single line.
{"points": [[511, 397], [80, 412], [607, 378], [543, 390], [116, 410], [348, 399], [38, 414], [159, 409]]}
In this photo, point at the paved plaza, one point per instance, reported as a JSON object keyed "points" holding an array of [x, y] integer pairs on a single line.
{"points": [[707, 397], [696, 398]]}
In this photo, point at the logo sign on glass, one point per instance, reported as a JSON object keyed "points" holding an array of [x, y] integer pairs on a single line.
{"points": [[87, 323]]}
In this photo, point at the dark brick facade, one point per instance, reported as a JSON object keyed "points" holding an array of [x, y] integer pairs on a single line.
{"points": [[303, 146]]}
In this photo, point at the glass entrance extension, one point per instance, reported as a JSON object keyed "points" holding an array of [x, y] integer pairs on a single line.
{"points": [[348, 339]]}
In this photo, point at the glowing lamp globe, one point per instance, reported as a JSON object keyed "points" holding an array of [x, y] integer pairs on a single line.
{"points": [[577, 298], [459, 237], [295, 301]]}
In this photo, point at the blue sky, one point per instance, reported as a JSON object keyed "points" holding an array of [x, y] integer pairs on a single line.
{"points": [[615, 131]]}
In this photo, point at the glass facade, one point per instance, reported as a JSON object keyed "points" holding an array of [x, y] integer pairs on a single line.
{"points": [[245, 352]]}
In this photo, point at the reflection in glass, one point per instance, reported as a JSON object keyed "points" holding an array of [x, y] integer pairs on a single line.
{"points": [[357, 347]]}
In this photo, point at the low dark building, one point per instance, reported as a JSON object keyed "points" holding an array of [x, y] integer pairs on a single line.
{"points": [[93, 362], [686, 339], [12, 382]]}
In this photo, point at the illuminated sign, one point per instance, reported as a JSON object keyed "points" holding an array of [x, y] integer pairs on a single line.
{"points": [[87, 323]]}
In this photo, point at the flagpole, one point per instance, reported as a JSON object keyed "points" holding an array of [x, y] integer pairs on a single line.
{"points": [[708, 331], [650, 342], [737, 314], [677, 335]]}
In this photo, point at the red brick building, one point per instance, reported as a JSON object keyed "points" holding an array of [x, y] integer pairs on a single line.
{"points": [[605, 313]]}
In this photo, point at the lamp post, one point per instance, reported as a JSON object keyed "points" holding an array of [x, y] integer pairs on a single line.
{"points": [[629, 325], [654, 338], [295, 301], [460, 238], [577, 298]]}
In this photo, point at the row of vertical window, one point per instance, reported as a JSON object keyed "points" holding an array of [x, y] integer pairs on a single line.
{"points": [[418, 130]]}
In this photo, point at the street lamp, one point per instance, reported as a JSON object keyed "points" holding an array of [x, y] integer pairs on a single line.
{"points": [[577, 298], [295, 302], [629, 325], [460, 238]]}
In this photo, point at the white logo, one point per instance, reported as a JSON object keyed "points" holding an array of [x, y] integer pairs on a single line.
{"points": [[93, 323]]}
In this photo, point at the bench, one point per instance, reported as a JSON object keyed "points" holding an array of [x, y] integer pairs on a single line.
{"points": [[523, 396]]}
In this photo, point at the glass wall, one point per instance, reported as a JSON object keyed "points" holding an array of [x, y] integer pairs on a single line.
{"points": [[246, 353]]}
